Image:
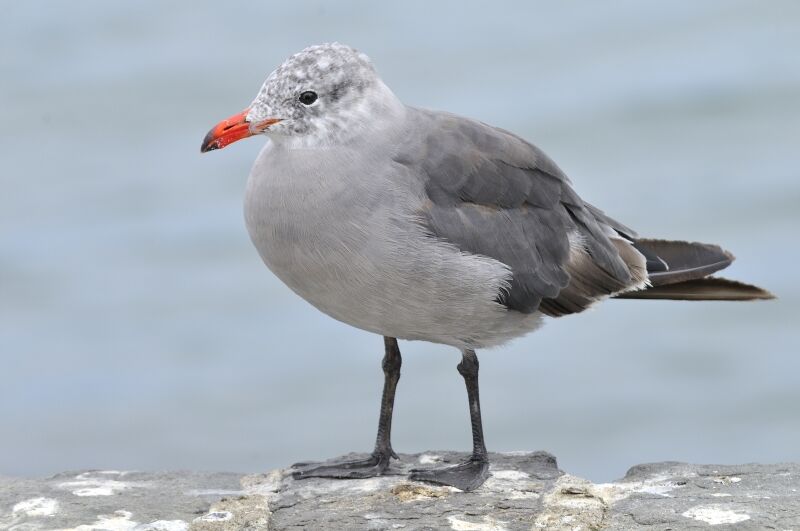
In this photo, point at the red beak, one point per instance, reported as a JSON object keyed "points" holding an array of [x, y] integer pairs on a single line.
{"points": [[232, 129]]}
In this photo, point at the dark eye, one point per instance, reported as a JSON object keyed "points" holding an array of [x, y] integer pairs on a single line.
{"points": [[308, 97]]}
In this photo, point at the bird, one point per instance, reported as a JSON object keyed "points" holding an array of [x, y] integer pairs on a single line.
{"points": [[416, 224]]}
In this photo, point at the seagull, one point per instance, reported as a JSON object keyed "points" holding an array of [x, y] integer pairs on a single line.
{"points": [[423, 225]]}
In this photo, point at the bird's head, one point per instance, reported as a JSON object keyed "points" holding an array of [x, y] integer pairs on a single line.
{"points": [[321, 96]]}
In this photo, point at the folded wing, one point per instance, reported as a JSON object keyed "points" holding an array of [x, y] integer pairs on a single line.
{"points": [[491, 193]]}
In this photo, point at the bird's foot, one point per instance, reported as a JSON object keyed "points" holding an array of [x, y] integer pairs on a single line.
{"points": [[466, 476], [374, 465]]}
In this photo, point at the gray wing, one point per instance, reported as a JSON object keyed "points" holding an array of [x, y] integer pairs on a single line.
{"points": [[491, 193]]}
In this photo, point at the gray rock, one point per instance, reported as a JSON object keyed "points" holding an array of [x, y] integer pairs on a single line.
{"points": [[525, 491], [111, 499]]}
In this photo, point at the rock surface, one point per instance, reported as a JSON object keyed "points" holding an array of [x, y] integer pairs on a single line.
{"points": [[525, 491]]}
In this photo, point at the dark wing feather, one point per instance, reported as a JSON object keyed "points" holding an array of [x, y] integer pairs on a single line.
{"points": [[491, 193]]}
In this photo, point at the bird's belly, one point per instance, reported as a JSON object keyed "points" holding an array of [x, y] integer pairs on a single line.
{"points": [[340, 263], [326, 272]]}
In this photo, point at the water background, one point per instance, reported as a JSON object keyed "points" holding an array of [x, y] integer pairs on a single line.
{"points": [[140, 330]]}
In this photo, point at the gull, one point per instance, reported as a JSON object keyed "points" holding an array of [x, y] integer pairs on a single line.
{"points": [[422, 225]]}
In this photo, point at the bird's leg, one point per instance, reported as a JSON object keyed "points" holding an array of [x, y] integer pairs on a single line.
{"points": [[391, 372], [377, 463], [470, 474]]}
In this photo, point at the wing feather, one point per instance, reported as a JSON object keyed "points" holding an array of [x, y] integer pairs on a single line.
{"points": [[491, 193]]}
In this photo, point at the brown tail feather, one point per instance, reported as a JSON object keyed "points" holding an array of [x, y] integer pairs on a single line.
{"points": [[701, 289]]}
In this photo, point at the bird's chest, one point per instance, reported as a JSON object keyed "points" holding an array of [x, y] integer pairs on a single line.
{"points": [[323, 233]]}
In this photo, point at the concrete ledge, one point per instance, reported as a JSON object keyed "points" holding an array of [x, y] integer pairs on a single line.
{"points": [[526, 491]]}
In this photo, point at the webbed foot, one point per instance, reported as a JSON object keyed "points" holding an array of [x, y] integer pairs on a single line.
{"points": [[466, 476], [374, 465]]}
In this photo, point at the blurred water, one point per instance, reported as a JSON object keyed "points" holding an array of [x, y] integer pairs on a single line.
{"points": [[139, 329]]}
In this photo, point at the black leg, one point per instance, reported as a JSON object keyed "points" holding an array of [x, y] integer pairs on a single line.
{"points": [[391, 373], [470, 474], [377, 463]]}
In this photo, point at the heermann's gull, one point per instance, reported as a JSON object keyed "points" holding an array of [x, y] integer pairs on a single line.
{"points": [[418, 224]]}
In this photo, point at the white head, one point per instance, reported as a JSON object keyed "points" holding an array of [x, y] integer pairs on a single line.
{"points": [[324, 95]]}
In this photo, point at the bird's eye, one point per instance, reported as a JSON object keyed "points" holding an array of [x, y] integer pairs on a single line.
{"points": [[308, 97]]}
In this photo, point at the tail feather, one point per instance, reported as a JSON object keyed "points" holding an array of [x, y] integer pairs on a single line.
{"points": [[670, 262], [680, 271], [701, 289]]}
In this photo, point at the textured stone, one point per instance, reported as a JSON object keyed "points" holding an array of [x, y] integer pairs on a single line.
{"points": [[112, 499], [526, 491]]}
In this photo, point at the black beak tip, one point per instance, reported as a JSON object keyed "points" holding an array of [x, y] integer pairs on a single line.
{"points": [[209, 143]]}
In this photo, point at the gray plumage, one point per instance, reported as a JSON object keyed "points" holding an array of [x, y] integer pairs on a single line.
{"points": [[419, 224]]}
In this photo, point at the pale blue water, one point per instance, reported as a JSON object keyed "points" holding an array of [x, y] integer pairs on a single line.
{"points": [[139, 329]]}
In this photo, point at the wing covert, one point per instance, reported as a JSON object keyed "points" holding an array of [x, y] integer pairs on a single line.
{"points": [[491, 193]]}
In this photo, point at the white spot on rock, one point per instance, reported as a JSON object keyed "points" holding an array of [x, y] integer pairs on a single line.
{"points": [[429, 459], [120, 521], [216, 516], [163, 525], [522, 495], [510, 475], [727, 480], [658, 485], [659, 489], [97, 491], [715, 515], [369, 484], [488, 524], [86, 485], [721, 494], [36, 507]]}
